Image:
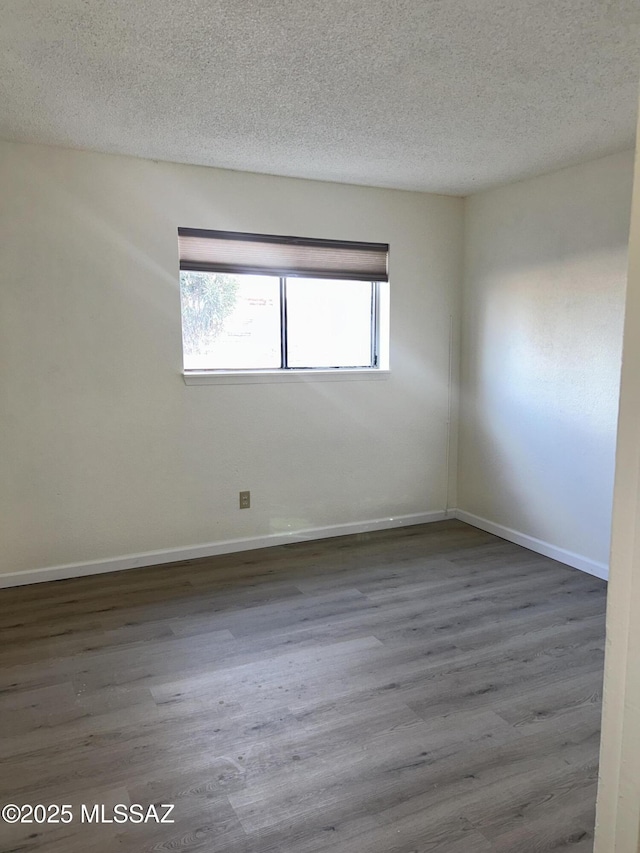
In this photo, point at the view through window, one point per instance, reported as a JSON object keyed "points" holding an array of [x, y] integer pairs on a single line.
{"points": [[256, 322]]}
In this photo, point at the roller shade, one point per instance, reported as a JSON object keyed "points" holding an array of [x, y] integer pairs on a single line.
{"points": [[263, 254]]}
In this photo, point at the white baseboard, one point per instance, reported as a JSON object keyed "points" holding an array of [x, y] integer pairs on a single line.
{"points": [[576, 561], [211, 549], [230, 546]]}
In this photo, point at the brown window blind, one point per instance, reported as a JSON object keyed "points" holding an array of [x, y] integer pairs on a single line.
{"points": [[263, 254]]}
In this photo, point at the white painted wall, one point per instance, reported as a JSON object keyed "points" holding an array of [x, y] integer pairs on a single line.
{"points": [[106, 451], [545, 273]]}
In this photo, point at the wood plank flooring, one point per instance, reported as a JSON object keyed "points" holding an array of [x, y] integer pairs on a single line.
{"points": [[432, 688]]}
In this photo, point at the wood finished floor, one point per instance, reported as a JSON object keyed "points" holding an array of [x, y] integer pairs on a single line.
{"points": [[432, 688]]}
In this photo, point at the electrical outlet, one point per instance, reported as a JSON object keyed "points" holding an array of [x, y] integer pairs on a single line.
{"points": [[245, 500]]}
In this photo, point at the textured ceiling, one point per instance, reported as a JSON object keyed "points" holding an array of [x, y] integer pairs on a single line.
{"points": [[449, 96]]}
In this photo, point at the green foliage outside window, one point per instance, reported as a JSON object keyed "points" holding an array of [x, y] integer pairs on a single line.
{"points": [[207, 300]]}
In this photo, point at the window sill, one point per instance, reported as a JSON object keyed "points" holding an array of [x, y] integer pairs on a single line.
{"points": [[259, 377]]}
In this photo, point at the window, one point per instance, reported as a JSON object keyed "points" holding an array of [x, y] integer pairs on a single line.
{"points": [[267, 304]]}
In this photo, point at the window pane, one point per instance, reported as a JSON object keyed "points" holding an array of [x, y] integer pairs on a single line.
{"points": [[230, 321], [328, 323]]}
